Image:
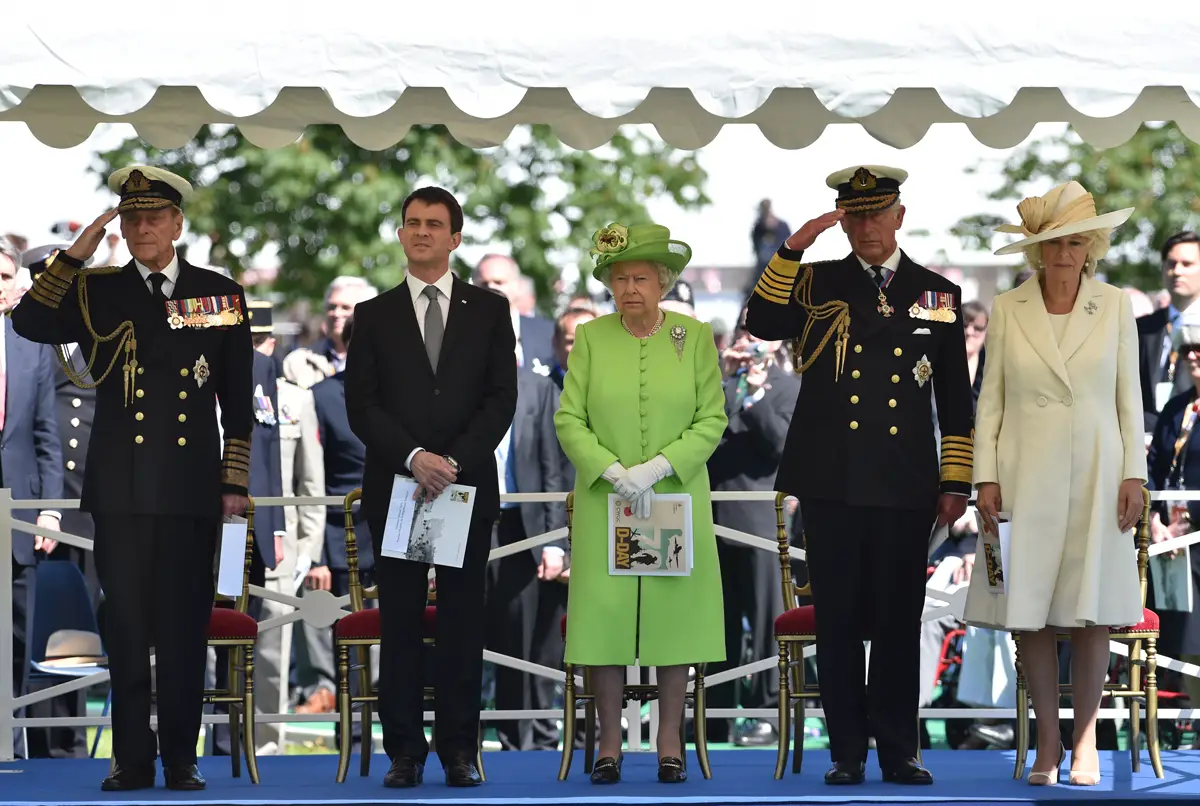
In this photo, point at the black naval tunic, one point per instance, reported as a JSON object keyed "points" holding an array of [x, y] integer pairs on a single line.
{"points": [[863, 459], [155, 473]]}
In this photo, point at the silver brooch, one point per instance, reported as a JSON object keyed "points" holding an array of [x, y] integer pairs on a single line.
{"points": [[1090, 307], [678, 338]]}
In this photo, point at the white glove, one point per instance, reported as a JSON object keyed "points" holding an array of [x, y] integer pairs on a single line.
{"points": [[613, 472], [642, 505], [641, 478]]}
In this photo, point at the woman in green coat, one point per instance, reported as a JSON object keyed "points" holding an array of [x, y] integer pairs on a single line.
{"points": [[642, 410]]}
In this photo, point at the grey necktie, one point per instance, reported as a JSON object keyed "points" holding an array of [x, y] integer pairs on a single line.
{"points": [[434, 327]]}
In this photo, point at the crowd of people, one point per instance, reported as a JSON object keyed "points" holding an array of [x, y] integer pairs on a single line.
{"points": [[865, 388]]}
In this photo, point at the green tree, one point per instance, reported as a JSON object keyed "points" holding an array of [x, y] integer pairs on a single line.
{"points": [[328, 205], [1157, 172]]}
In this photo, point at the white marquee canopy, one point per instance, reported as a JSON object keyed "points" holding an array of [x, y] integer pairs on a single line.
{"points": [[586, 68]]}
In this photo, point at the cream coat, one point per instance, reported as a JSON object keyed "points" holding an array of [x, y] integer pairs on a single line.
{"points": [[1059, 427]]}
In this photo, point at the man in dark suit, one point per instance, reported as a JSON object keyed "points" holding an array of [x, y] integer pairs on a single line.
{"points": [[30, 466], [861, 456], [759, 401], [158, 480], [534, 333], [526, 597], [1163, 372], [345, 461], [564, 341], [431, 389]]}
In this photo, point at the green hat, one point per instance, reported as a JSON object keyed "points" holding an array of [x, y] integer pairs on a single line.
{"points": [[617, 243]]}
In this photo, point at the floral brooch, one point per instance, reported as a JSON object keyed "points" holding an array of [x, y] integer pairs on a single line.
{"points": [[679, 339]]}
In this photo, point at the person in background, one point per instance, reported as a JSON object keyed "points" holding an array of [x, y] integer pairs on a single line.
{"points": [[768, 233], [759, 401], [307, 366], [975, 322], [680, 299], [635, 444], [534, 333], [1059, 445], [564, 340], [1158, 363]]}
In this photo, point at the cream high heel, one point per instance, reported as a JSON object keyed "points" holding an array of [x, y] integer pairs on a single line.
{"points": [[1049, 778], [1083, 777]]}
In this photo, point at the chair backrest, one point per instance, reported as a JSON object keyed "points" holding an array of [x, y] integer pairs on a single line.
{"points": [[242, 602], [61, 602], [1143, 542], [791, 592]]}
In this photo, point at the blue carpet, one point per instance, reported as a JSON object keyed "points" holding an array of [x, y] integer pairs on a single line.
{"points": [[739, 777]]}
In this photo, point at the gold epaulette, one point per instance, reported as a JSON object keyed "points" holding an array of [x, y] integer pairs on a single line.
{"points": [[836, 309], [958, 458], [51, 293], [235, 463]]}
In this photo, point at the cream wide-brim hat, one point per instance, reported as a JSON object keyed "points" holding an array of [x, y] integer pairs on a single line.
{"points": [[1067, 209]]}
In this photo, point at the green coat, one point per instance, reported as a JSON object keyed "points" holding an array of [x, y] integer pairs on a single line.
{"points": [[628, 400]]}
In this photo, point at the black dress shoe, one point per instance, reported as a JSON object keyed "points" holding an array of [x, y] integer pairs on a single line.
{"points": [[607, 770], [844, 773], [184, 778], [462, 772], [125, 779], [908, 772], [404, 773], [671, 770], [757, 734]]}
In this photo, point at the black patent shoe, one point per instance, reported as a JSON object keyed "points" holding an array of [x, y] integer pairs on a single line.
{"points": [[127, 779], [184, 778], [671, 770], [844, 773], [404, 773], [608, 770], [908, 772], [462, 772]]}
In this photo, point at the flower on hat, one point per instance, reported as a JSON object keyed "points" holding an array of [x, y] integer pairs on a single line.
{"points": [[613, 238]]}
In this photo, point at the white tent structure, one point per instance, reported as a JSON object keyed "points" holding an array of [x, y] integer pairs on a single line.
{"points": [[586, 68]]}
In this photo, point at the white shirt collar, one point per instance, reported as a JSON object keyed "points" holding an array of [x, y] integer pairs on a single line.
{"points": [[892, 263], [171, 272], [445, 284]]}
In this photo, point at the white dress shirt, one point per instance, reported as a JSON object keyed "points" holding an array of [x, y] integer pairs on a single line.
{"points": [[171, 272], [892, 263], [444, 285]]}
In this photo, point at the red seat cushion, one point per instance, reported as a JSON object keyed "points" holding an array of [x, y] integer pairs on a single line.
{"points": [[227, 624], [1149, 623], [365, 624], [797, 621]]}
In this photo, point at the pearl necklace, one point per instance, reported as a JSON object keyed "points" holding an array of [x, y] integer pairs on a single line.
{"points": [[662, 317]]}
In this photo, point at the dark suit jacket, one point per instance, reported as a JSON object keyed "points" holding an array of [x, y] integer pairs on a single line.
{"points": [[30, 450], [536, 456], [748, 454], [266, 474], [345, 460], [76, 409], [396, 403], [1152, 334], [866, 437], [537, 341], [155, 449]]}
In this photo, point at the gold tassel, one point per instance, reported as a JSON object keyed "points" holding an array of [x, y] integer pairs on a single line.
{"points": [[836, 310], [124, 333]]}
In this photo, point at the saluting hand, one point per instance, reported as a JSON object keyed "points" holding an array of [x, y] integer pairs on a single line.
{"points": [[806, 236], [92, 236]]}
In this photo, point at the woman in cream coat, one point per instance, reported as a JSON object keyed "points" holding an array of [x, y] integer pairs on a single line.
{"points": [[1059, 444]]}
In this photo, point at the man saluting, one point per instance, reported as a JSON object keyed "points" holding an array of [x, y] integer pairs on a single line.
{"points": [[165, 342], [878, 339]]}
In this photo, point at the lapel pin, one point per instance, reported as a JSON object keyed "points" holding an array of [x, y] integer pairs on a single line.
{"points": [[1090, 307]]}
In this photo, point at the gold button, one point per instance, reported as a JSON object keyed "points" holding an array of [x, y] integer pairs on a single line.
{"points": [[898, 351], [183, 418], [895, 379], [858, 348], [892, 403], [855, 374], [183, 372], [853, 424], [141, 392], [141, 370], [139, 416], [183, 441], [853, 398], [74, 443], [76, 402], [138, 439], [183, 395], [892, 430], [70, 465]]}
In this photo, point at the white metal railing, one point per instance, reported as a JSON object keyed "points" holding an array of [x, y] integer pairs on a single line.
{"points": [[322, 608]]}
